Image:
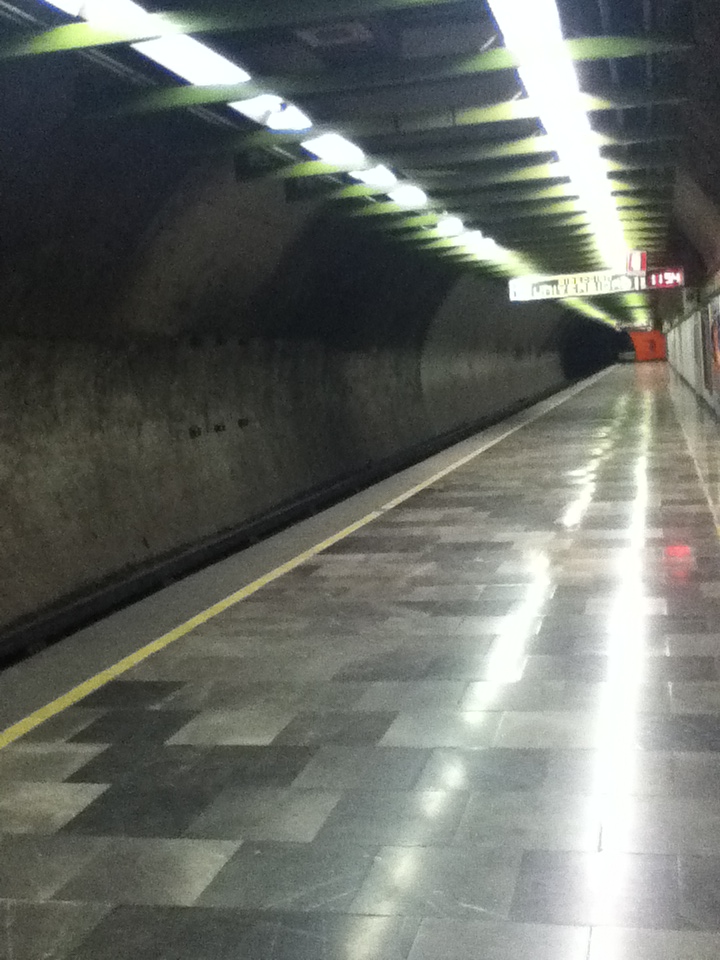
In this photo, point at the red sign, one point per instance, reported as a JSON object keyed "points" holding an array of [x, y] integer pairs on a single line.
{"points": [[637, 261], [666, 278]]}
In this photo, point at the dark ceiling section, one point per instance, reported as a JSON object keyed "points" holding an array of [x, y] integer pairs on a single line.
{"points": [[425, 87]]}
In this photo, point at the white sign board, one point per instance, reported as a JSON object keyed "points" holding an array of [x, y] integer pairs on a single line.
{"points": [[593, 284]]}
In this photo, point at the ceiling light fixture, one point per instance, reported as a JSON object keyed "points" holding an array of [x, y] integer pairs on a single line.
{"points": [[410, 196], [182, 55], [449, 226], [334, 149], [379, 176], [288, 119], [273, 112], [192, 60], [532, 31]]}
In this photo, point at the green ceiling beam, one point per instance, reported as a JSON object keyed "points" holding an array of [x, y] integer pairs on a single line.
{"points": [[410, 222], [355, 192], [214, 18], [525, 206], [542, 171], [423, 70], [379, 210], [644, 219], [469, 153], [84, 36], [452, 154], [310, 168], [313, 168], [560, 208], [633, 201], [500, 112], [433, 69], [505, 110], [492, 198], [541, 233]]}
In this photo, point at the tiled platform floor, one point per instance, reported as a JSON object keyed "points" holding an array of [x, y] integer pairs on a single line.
{"points": [[487, 725]]}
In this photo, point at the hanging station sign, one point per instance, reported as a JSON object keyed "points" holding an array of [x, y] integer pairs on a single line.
{"points": [[596, 284]]}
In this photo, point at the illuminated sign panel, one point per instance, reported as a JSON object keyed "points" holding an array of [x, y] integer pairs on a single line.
{"points": [[593, 284], [666, 279]]}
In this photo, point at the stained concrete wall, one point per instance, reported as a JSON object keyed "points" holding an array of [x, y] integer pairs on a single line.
{"points": [[182, 354]]}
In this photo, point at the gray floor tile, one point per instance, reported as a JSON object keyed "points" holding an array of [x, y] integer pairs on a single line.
{"points": [[485, 770], [250, 726], [120, 726], [27, 807], [34, 867], [472, 939], [662, 825], [602, 773], [166, 933], [315, 729], [695, 733], [130, 694], [291, 876], [396, 818], [696, 775], [439, 882], [569, 729], [265, 814], [587, 668], [249, 766], [681, 669], [348, 767], [394, 665], [700, 892], [147, 810], [219, 695], [703, 698], [598, 889], [310, 936], [45, 931], [143, 764], [131, 871], [628, 944], [432, 728], [414, 695], [531, 821], [532, 695], [63, 725], [43, 762]]}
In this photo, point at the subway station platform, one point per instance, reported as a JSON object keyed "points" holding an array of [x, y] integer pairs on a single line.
{"points": [[485, 723]]}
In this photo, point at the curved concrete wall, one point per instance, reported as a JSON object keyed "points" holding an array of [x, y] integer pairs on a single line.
{"points": [[182, 354]]}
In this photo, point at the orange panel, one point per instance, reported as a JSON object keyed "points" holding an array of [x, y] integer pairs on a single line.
{"points": [[649, 345]]}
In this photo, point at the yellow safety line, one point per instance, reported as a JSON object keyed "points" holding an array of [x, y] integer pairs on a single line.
{"points": [[82, 690]]}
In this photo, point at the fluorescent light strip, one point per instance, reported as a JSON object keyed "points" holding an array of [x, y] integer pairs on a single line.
{"points": [[449, 226], [335, 149], [410, 196], [192, 60], [378, 176], [273, 112], [532, 30]]}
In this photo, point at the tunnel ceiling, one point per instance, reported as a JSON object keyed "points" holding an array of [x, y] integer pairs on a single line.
{"points": [[424, 88]]}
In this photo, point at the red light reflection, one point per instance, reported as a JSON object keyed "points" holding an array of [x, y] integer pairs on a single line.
{"points": [[678, 551], [680, 562]]}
